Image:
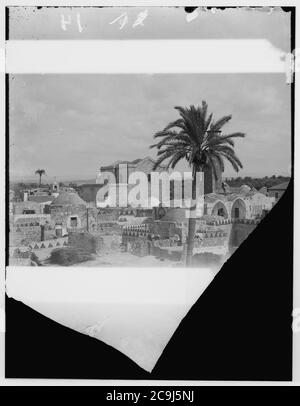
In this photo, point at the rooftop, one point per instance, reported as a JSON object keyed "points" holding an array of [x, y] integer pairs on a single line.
{"points": [[135, 221], [281, 186], [40, 198], [133, 163], [68, 198]]}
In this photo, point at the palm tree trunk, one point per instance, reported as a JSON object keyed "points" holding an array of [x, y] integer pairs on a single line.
{"points": [[40, 180], [192, 221]]}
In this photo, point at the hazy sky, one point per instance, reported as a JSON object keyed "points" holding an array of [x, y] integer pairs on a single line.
{"points": [[72, 124]]}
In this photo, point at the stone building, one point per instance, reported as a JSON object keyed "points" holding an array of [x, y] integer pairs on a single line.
{"points": [[26, 228], [246, 204], [138, 165], [34, 205], [278, 190], [68, 210], [122, 170]]}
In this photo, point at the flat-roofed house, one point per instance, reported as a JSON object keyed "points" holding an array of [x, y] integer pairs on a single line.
{"points": [[278, 190]]}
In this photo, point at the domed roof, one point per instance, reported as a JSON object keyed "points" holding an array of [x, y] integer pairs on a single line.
{"points": [[245, 189], [68, 198]]}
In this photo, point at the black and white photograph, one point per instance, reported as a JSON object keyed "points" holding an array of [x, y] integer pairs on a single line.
{"points": [[149, 193]]}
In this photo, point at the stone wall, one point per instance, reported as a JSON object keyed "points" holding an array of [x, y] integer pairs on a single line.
{"points": [[240, 232], [112, 242], [62, 214], [30, 219], [166, 229], [139, 247], [19, 207], [107, 214], [237, 231], [223, 236], [101, 220], [23, 236]]}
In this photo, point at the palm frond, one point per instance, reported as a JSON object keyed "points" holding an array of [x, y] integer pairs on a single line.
{"points": [[212, 164], [220, 160], [207, 122], [235, 162], [175, 124], [196, 138], [175, 159], [219, 123], [164, 133], [190, 127]]}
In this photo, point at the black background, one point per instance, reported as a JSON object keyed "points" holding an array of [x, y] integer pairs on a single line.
{"points": [[239, 329]]}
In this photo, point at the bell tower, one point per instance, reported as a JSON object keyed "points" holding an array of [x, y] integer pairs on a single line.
{"points": [[55, 187]]}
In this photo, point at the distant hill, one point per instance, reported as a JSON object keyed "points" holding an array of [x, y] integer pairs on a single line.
{"points": [[80, 182], [33, 180]]}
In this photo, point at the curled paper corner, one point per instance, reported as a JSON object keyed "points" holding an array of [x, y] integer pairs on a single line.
{"points": [[138, 320]]}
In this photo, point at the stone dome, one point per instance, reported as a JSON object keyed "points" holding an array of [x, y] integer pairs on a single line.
{"points": [[68, 198], [245, 189]]}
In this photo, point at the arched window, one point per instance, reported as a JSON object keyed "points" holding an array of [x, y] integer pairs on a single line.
{"points": [[221, 212]]}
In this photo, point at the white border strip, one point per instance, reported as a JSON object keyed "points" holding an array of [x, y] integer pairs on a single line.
{"points": [[144, 56]]}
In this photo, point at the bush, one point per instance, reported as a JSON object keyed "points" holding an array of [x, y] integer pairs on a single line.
{"points": [[35, 259], [69, 256], [85, 241], [207, 259]]}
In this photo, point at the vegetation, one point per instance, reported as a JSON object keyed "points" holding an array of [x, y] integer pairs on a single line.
{"points": [[40, 172], [207, 259], [67, 256], [35, 259], [258, 183], [196, 138]]}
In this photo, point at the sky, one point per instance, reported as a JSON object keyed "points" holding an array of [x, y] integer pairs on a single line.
{"points": [[71, 124]]}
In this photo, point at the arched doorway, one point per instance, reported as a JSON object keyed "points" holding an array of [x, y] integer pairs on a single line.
{"points": [[219, 209], [238, 210]]}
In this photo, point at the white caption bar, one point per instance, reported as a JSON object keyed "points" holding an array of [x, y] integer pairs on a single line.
{"points": [[144, 56]]}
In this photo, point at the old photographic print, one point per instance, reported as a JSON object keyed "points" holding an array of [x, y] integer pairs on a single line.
{"points": [[132, 190]]}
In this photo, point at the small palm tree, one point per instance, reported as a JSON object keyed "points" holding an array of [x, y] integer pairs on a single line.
{"points": [[196, 138], [40, 172]]}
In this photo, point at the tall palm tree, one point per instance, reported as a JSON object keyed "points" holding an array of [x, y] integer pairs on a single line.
{"points": [[196, 138], [40, 172]]}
